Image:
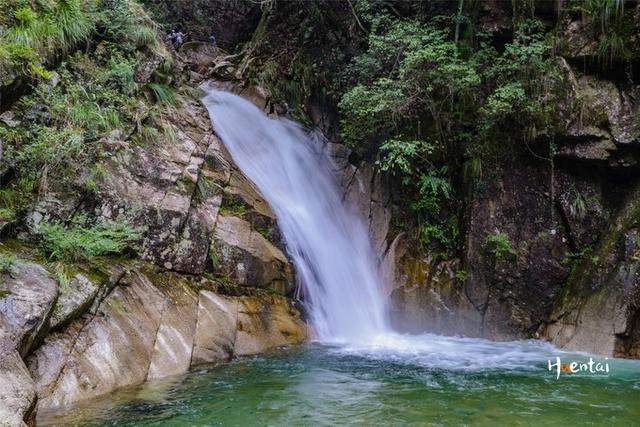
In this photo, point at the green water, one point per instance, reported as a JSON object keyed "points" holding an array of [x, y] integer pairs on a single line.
{"points": [[470, 382]]}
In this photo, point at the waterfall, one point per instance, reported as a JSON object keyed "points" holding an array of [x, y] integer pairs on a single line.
{"points": [[326, 240]]}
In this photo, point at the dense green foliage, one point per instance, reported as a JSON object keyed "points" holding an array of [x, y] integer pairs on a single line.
{"points": [[438, 94], [31, 37], [434, 106], [75, 109]]}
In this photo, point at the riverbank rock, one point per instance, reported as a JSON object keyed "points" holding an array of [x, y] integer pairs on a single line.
{"points": [[155, 324], [74, 299], [216, 328]]}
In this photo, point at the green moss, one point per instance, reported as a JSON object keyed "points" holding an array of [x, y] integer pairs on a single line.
{"points": [[213, 255], [263, 231]]}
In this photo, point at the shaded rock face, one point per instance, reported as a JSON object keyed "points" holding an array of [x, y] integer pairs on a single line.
{"points": [[248, 258], [503, 288], [427, 295], [601, 125], [166, 189], [599, 306]]}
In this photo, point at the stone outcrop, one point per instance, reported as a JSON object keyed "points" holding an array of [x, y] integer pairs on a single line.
{"points": [[598, 309], [427, 295], [208, 284], [365, 191], [248, 258], [600, 122]]}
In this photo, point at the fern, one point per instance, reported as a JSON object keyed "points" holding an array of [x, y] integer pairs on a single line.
{"points": [[79, 243]]}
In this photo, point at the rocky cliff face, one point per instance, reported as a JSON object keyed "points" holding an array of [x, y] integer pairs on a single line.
{"points": [[571, 222], [211, 280]]}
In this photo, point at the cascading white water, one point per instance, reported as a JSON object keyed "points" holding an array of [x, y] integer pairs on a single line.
{"points": [[326, 240]]}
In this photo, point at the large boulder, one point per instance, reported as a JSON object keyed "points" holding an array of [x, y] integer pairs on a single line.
{"points": [[216, 328], [266, 322], [174, 343], [102, 351], [74, 299]]}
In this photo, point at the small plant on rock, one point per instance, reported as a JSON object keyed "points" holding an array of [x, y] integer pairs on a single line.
{"points": [[7, 263], [499, 246]]}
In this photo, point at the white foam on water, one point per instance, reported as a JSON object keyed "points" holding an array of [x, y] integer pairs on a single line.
{"points": [[451, 353]]}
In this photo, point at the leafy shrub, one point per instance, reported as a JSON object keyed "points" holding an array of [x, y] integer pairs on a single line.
{"points": [[78, 243]]}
